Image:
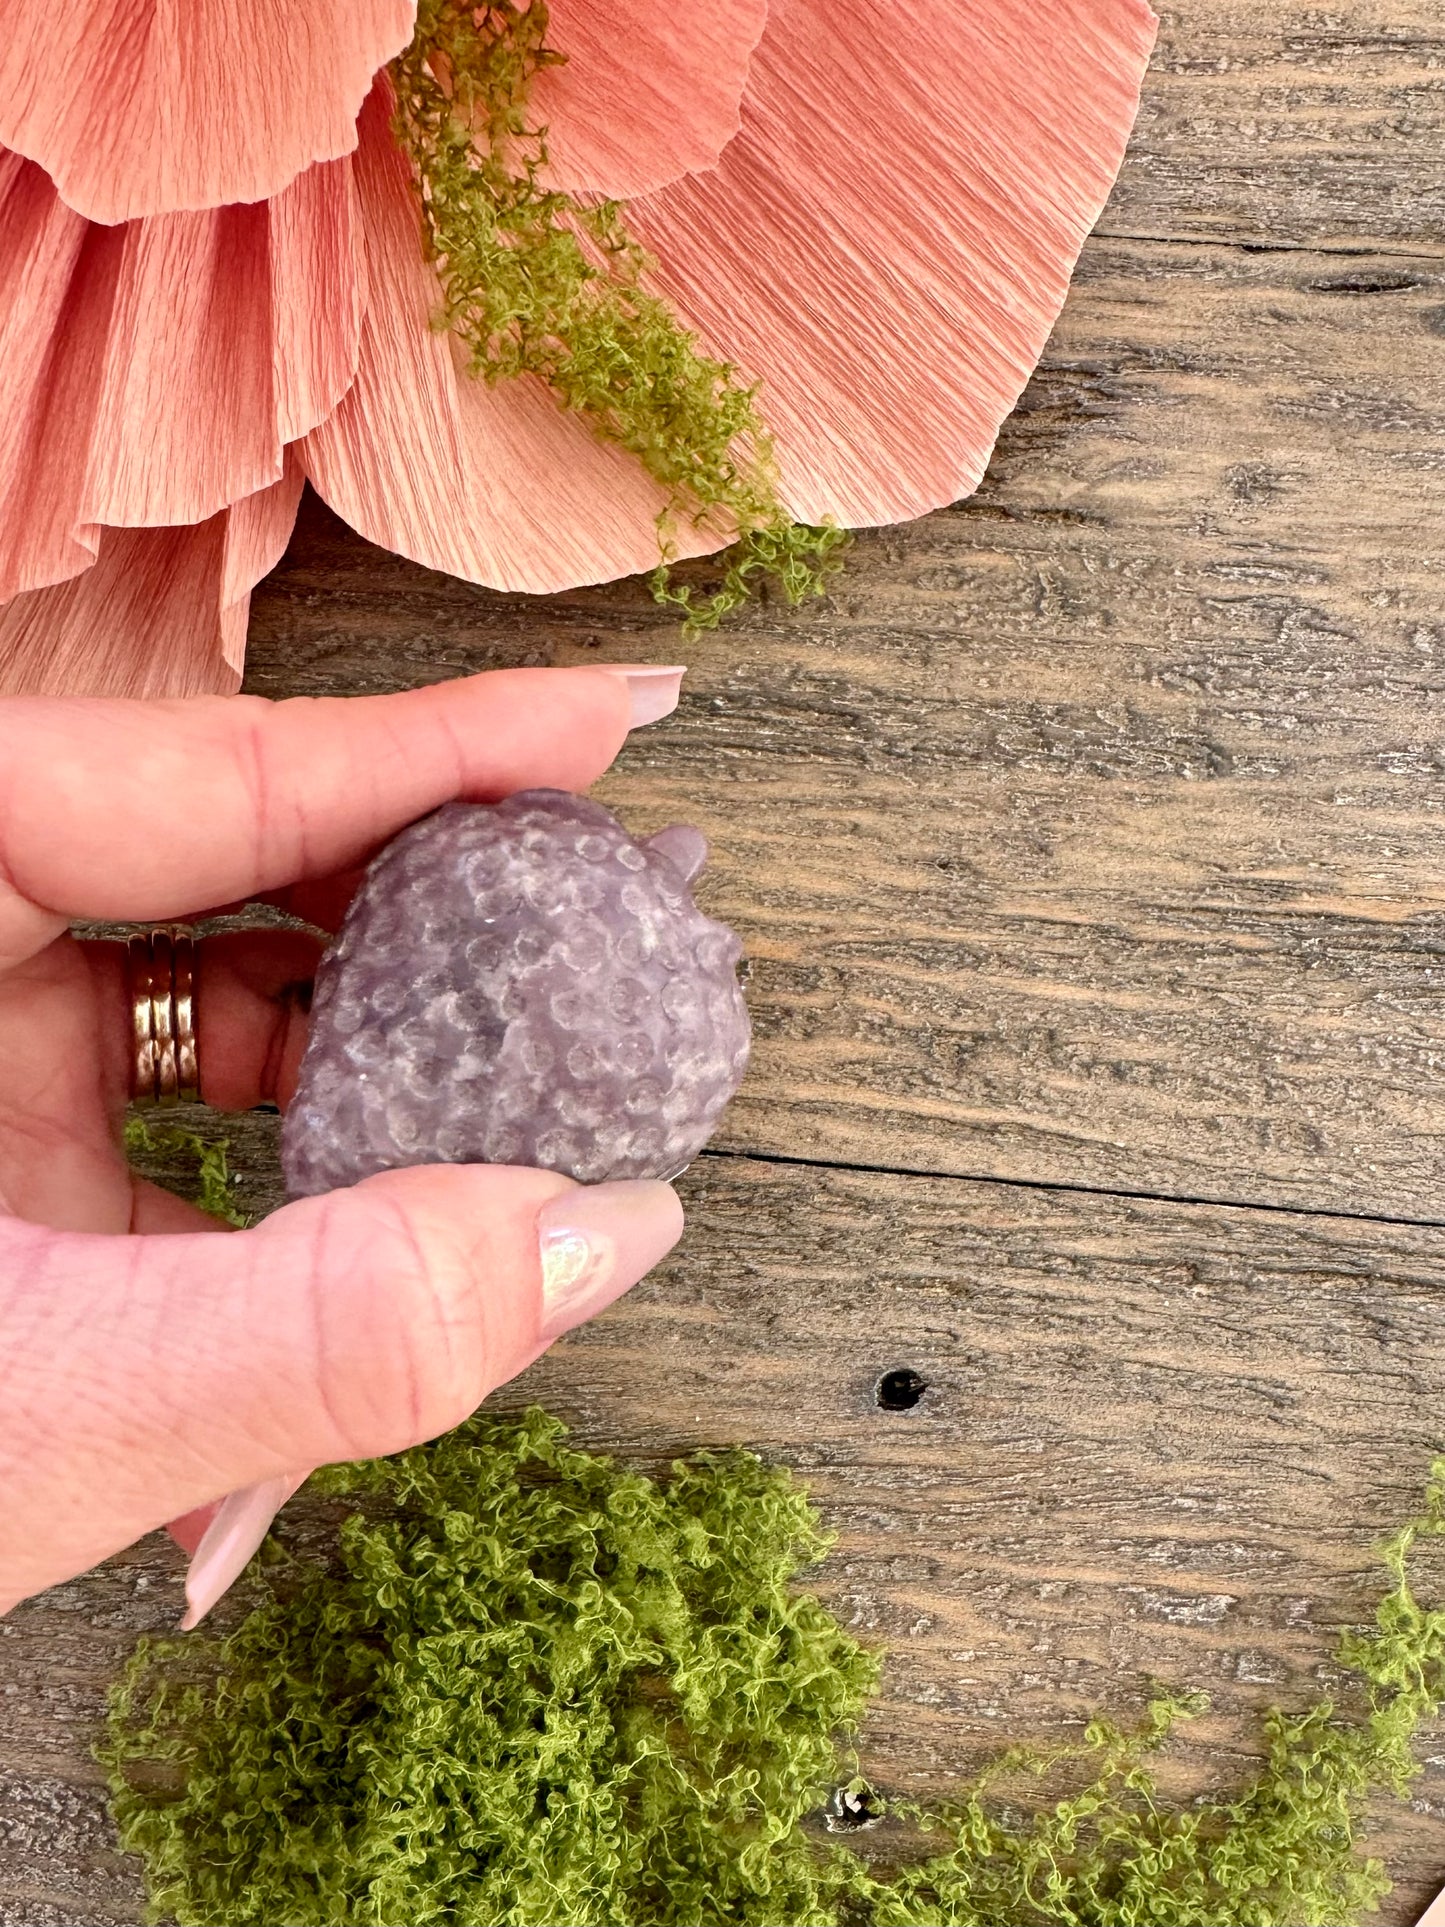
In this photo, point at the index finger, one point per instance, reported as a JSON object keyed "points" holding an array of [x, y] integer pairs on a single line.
{"points": [[138, 811]]}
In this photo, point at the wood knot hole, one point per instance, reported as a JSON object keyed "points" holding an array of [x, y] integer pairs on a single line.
{"points": [[900, 1390], [850, 1808]]}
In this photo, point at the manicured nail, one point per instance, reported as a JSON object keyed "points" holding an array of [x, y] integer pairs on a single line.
{"points": [[230, 1543], [596, 1242], [189, 1530], [653, 692]]}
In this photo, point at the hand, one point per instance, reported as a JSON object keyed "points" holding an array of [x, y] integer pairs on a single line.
{"points": [[151, 1362]]}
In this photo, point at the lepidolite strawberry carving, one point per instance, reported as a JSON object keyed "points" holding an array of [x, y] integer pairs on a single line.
{"points": [[520, 983]]}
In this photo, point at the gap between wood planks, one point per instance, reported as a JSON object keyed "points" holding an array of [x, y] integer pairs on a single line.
{"points": [[1055, 1184], [1432, 258]]}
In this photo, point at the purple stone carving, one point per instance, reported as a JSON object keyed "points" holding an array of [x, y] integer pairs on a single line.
{"points": [[520, 983]]}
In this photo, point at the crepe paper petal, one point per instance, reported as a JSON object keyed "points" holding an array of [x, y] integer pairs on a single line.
{"points": [[56, 276], [257, 531], [889, 240], [139, 107], [142, 621], [496, 484], [648, 93], [161, 612], [317, 264], [153, 373]]}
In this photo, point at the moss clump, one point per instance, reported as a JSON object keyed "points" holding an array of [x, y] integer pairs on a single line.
{"points": [[550, 1691], [537, 283], [206, 1178], [540, 1688]]}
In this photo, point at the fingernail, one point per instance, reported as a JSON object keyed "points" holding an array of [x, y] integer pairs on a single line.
{"points": [[230, 1543], [596, 1242], [189, 1530], [653, 692]]}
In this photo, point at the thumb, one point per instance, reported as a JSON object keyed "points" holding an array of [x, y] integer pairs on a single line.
{"points": [[145, 1377]]}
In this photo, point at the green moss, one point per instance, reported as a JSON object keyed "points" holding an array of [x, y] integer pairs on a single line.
{"points": [[550, 1691], [538, 1688], [538, 283], [204, 1174]]}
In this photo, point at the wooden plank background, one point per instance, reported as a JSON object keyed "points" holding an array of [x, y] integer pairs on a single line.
{"points": [[1088, 849]]}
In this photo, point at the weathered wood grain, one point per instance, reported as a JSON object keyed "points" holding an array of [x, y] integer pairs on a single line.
{"points": [[1291, 125], [1089, 836], [1092, 833], [1158, 1442]]}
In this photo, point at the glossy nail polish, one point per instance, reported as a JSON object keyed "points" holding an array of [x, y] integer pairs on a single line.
{"points": [[653, 692], [598, 1240], [230, 1542]]}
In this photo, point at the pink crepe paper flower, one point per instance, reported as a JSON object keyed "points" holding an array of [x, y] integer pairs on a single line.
{"points": [[212, 287]]}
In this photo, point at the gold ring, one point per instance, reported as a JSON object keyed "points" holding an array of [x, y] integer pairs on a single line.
{"points": [[162, 977]]}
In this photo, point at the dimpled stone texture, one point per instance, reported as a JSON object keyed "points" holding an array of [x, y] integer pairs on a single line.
{"points": [[518, 983]]}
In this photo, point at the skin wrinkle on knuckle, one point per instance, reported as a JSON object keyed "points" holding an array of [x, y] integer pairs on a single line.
{"points": [[224, 1403], [446, 733], [395, 1350], [450, 1328], [314, 1284], [253, 760], [301, 863], [158, 1316], [369, 755], [384, 763], [421, 1265]]}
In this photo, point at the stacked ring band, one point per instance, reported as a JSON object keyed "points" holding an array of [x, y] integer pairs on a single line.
{"points": [[162, 978]]}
